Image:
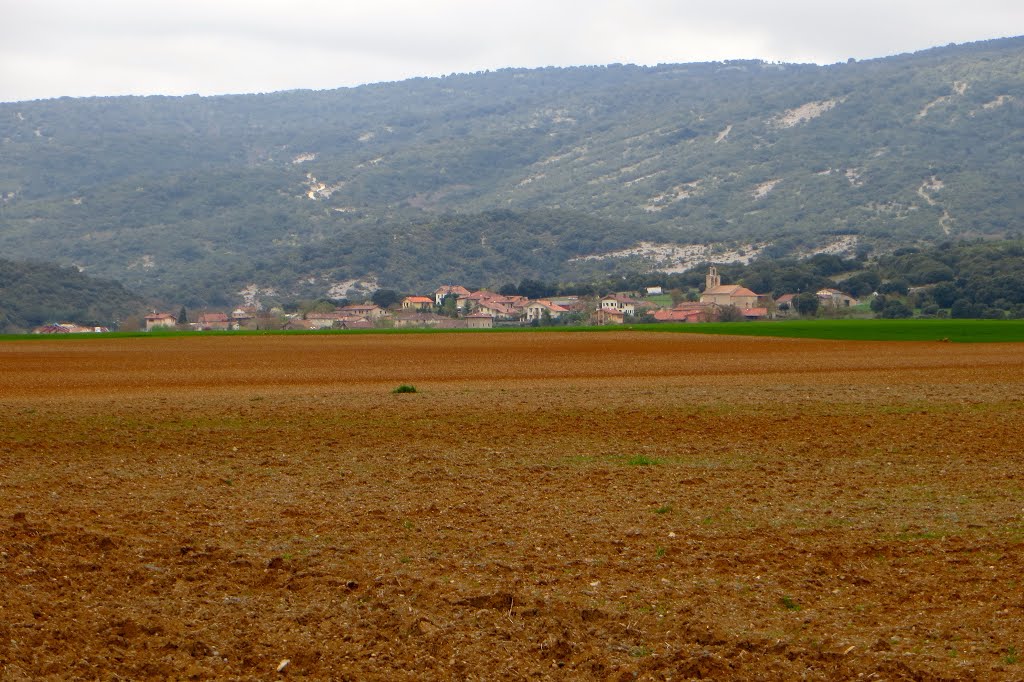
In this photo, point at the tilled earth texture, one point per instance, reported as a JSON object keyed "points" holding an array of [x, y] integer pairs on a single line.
{"points": [[610, 506]]}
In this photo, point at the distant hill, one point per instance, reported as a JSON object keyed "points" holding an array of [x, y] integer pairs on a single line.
{"points": [[516, 173], [33, 294]]}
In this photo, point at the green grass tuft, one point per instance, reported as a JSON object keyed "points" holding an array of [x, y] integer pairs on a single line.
{"points": [[642, 461], [405, 388]]}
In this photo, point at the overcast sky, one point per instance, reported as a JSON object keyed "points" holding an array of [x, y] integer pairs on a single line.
{"points": [[53, 48]]}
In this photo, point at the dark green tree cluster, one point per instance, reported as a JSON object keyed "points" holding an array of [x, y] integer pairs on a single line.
{"points": [[983, 279], [34, 294]]}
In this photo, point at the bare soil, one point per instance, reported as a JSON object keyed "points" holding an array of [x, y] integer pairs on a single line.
{"points": [[547, 506]]}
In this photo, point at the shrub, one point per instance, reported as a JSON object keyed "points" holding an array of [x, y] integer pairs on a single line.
{"points": [[896, 310], [789, 603]]}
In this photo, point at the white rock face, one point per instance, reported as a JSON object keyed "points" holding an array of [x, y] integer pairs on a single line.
{"points": [[804, 113], [682, 257]]}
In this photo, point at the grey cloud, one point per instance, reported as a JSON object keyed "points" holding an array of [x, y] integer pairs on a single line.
{"points": [[68, 47]]}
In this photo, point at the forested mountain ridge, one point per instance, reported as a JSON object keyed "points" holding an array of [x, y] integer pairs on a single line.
{"points": [[32, 294], [493, 176]]}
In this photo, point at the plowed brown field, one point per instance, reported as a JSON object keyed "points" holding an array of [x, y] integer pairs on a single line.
{"points": [[547, 506]]}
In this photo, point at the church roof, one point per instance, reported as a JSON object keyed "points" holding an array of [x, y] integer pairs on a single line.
{"points": [[729, 290]]}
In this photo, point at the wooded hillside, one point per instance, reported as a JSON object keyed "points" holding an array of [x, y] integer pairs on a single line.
{"points": [[500, 175]]}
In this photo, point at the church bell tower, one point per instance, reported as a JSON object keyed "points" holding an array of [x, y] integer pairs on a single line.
{"points": [[713, 279]]}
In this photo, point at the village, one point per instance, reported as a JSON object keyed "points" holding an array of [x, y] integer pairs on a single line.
{"points": [[456, 307]]}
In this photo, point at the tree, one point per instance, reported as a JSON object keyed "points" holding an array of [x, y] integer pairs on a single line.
{"points": [[320, 305], [863, 283], [449, 305], [534, 289], [896, 309], [964, 309], [896, 286], [270, 320], [385, 298], [928, 270], [182, 316], [730, 313], [806, 304], [945, 294]]}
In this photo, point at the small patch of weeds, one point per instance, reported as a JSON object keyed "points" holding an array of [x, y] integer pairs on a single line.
{"points": [[663, 509], [789, 603], [1011, 657], [642, 461], [405, 388], [639, 652], [660, 552], [408, 525]]}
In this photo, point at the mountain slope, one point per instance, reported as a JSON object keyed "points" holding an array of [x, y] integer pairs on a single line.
{"points": [[180, 196], [32, 294]]}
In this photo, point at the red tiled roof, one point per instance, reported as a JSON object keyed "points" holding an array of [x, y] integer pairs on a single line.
{"points": [[730, 289], [500, 308], [481, 295], [325, 316], [66, 328], [676, 315], [553, 307], [723, 289], [457, 289]]}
